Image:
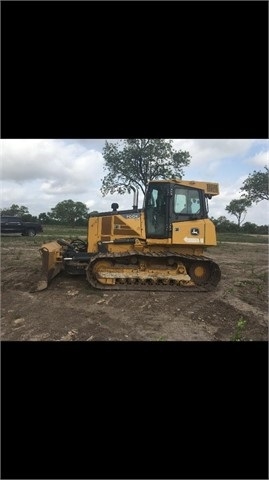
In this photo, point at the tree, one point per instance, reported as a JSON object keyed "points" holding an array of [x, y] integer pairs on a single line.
{"points": [[46, 218], [224, 225], [256, 186], [132, 163], [19, 211], [70, 212], [249, 227], [15, 210], [238, 208], [262, 229]]}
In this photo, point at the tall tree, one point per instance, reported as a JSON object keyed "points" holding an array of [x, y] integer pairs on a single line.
{"points": [[256, 186], [238, 208], [70, 212], [132, 163]]}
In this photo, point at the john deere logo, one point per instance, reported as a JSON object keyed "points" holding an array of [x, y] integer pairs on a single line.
{"points": [[195, 231]]}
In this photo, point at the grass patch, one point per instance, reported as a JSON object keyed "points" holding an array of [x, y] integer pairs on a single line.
{"points": [[241, 238], [237, 337], [64, 230], [50, 233]]}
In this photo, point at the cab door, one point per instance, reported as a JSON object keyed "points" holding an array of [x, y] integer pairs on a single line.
{"points": [[157, 211]]}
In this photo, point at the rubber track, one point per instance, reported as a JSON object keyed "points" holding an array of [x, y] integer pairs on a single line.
{"points": [[211, 285]]}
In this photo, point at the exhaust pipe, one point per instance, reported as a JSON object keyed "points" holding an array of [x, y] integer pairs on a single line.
{"points": [[135, 199]]}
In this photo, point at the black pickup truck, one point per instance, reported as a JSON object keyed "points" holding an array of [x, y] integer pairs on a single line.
{"points": [[17, 225]]}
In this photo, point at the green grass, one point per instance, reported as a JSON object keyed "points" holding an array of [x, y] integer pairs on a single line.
{"points": [[50, 233], [241, 238], [63, 230], [239, 329]]}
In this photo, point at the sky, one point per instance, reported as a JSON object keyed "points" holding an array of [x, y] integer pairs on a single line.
{"points": [[39, 173]]}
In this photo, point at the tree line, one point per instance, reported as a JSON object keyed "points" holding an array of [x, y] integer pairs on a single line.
{"points": [[66, 212], [131, 164], [223, 225]]}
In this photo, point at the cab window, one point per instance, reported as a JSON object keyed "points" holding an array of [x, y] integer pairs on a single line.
{"points": [[187, 201]]}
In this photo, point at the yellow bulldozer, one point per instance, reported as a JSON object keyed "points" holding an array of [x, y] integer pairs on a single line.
{"points": [[158, 247]]}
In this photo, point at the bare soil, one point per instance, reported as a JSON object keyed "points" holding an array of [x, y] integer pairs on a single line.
{"points": [[70, 310]]}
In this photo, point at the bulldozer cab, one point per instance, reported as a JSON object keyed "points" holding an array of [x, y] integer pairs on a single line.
{"points": [[166, 203]]}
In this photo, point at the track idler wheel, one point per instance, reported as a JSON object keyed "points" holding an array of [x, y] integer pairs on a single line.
{"points": [[200, 272]]}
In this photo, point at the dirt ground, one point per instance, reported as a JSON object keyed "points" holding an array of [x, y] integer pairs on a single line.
{"points": [[70, 310]]}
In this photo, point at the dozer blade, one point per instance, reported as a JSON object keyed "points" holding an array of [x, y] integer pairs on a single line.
{"points": [[52, 264]]}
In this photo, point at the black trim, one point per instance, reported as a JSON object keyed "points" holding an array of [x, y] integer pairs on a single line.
{"points": [[102, 248], [119, 212], [124, 240]]}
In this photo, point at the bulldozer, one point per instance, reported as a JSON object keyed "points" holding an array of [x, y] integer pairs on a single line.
{"points": [[158, 247]]}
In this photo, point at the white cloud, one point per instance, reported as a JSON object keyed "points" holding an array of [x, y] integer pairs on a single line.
{"points": [[48, 160], [260, 159], [90, 204], [206, 150], [57, 187]]}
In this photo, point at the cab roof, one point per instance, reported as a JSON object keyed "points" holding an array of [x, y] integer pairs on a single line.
{"points": [[210, 188]]}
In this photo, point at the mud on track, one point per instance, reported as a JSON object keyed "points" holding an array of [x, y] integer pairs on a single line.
{"points": [[71, 310]]}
